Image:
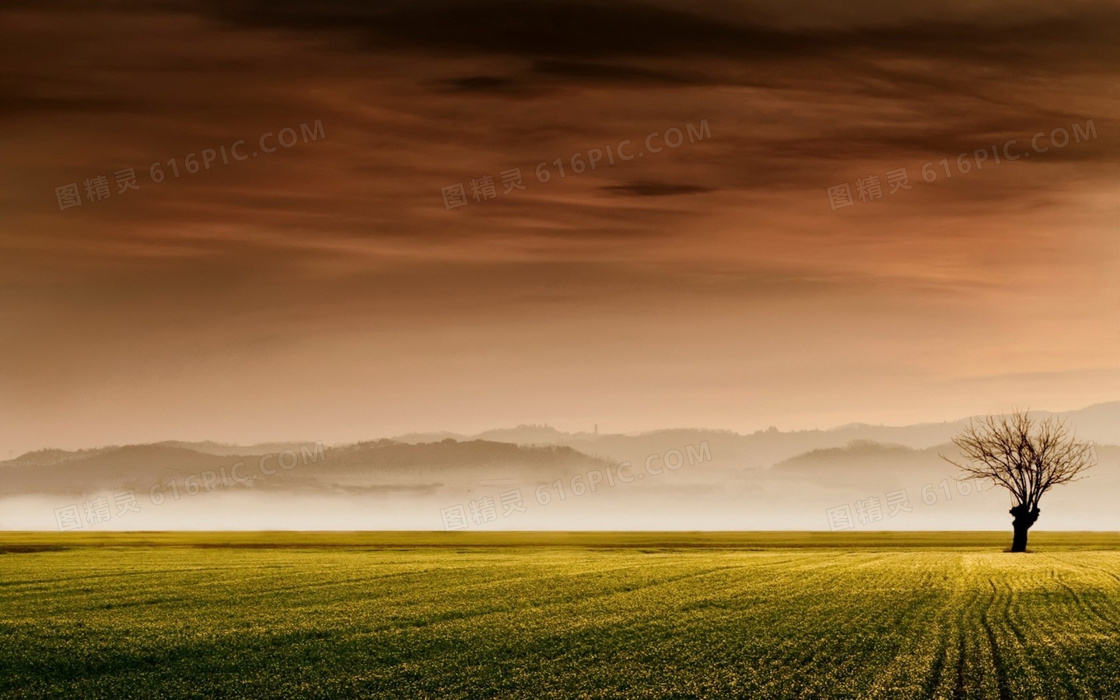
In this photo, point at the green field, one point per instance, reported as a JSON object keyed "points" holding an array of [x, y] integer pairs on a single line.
{"points": [[535, 615]]}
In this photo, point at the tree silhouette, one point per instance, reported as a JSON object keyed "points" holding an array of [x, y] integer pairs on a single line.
{"points": [[1025, 456]]}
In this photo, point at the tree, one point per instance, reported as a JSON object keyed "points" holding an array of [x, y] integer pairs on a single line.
{"points": [[1025, 456]]}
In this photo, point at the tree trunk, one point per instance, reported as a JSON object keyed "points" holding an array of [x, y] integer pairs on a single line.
{"points": [[1024, 518]]}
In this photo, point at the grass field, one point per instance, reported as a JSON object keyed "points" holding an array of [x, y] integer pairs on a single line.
{"points": [[535, 615]]}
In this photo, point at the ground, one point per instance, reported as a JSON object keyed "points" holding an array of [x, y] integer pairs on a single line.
{"points": [[538, 615]]}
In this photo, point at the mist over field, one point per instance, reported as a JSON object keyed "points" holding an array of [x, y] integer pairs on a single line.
{"points": [[535, 477]]}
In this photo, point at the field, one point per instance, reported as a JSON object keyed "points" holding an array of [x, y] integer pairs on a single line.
{"points": [[784, 615]]}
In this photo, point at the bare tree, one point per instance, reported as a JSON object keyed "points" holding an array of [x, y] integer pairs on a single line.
{"points": [[1025, 456]]}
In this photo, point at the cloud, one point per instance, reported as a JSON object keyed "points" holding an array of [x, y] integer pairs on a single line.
{"points": [[587, 71], [1002, 33], [346, 242], [655, 189], [484, 84], [545, 28]]}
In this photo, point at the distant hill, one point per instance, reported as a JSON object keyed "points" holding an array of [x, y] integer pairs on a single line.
{"points": [[762, 449], [43, 458], [859, 458], [522, 435], [763, 480], [117, 468], [352, 468], [225, 450]]}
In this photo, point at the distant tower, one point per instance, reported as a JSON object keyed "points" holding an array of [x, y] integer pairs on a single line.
{"points": [[596, 428]]}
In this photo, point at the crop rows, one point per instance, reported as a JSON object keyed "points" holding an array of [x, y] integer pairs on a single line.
{"points": [[559, 622]]}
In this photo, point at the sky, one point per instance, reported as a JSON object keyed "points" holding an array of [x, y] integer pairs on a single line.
{"points": [[323, 277]]}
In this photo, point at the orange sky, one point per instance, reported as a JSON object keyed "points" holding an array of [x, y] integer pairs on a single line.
{"points": [[324, 291]]}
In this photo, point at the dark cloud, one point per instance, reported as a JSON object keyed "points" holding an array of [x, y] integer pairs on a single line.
{"points": [[34, 98], [654, 189], [544, 28], [591, 71], [1080, 35], [485, 84]]}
